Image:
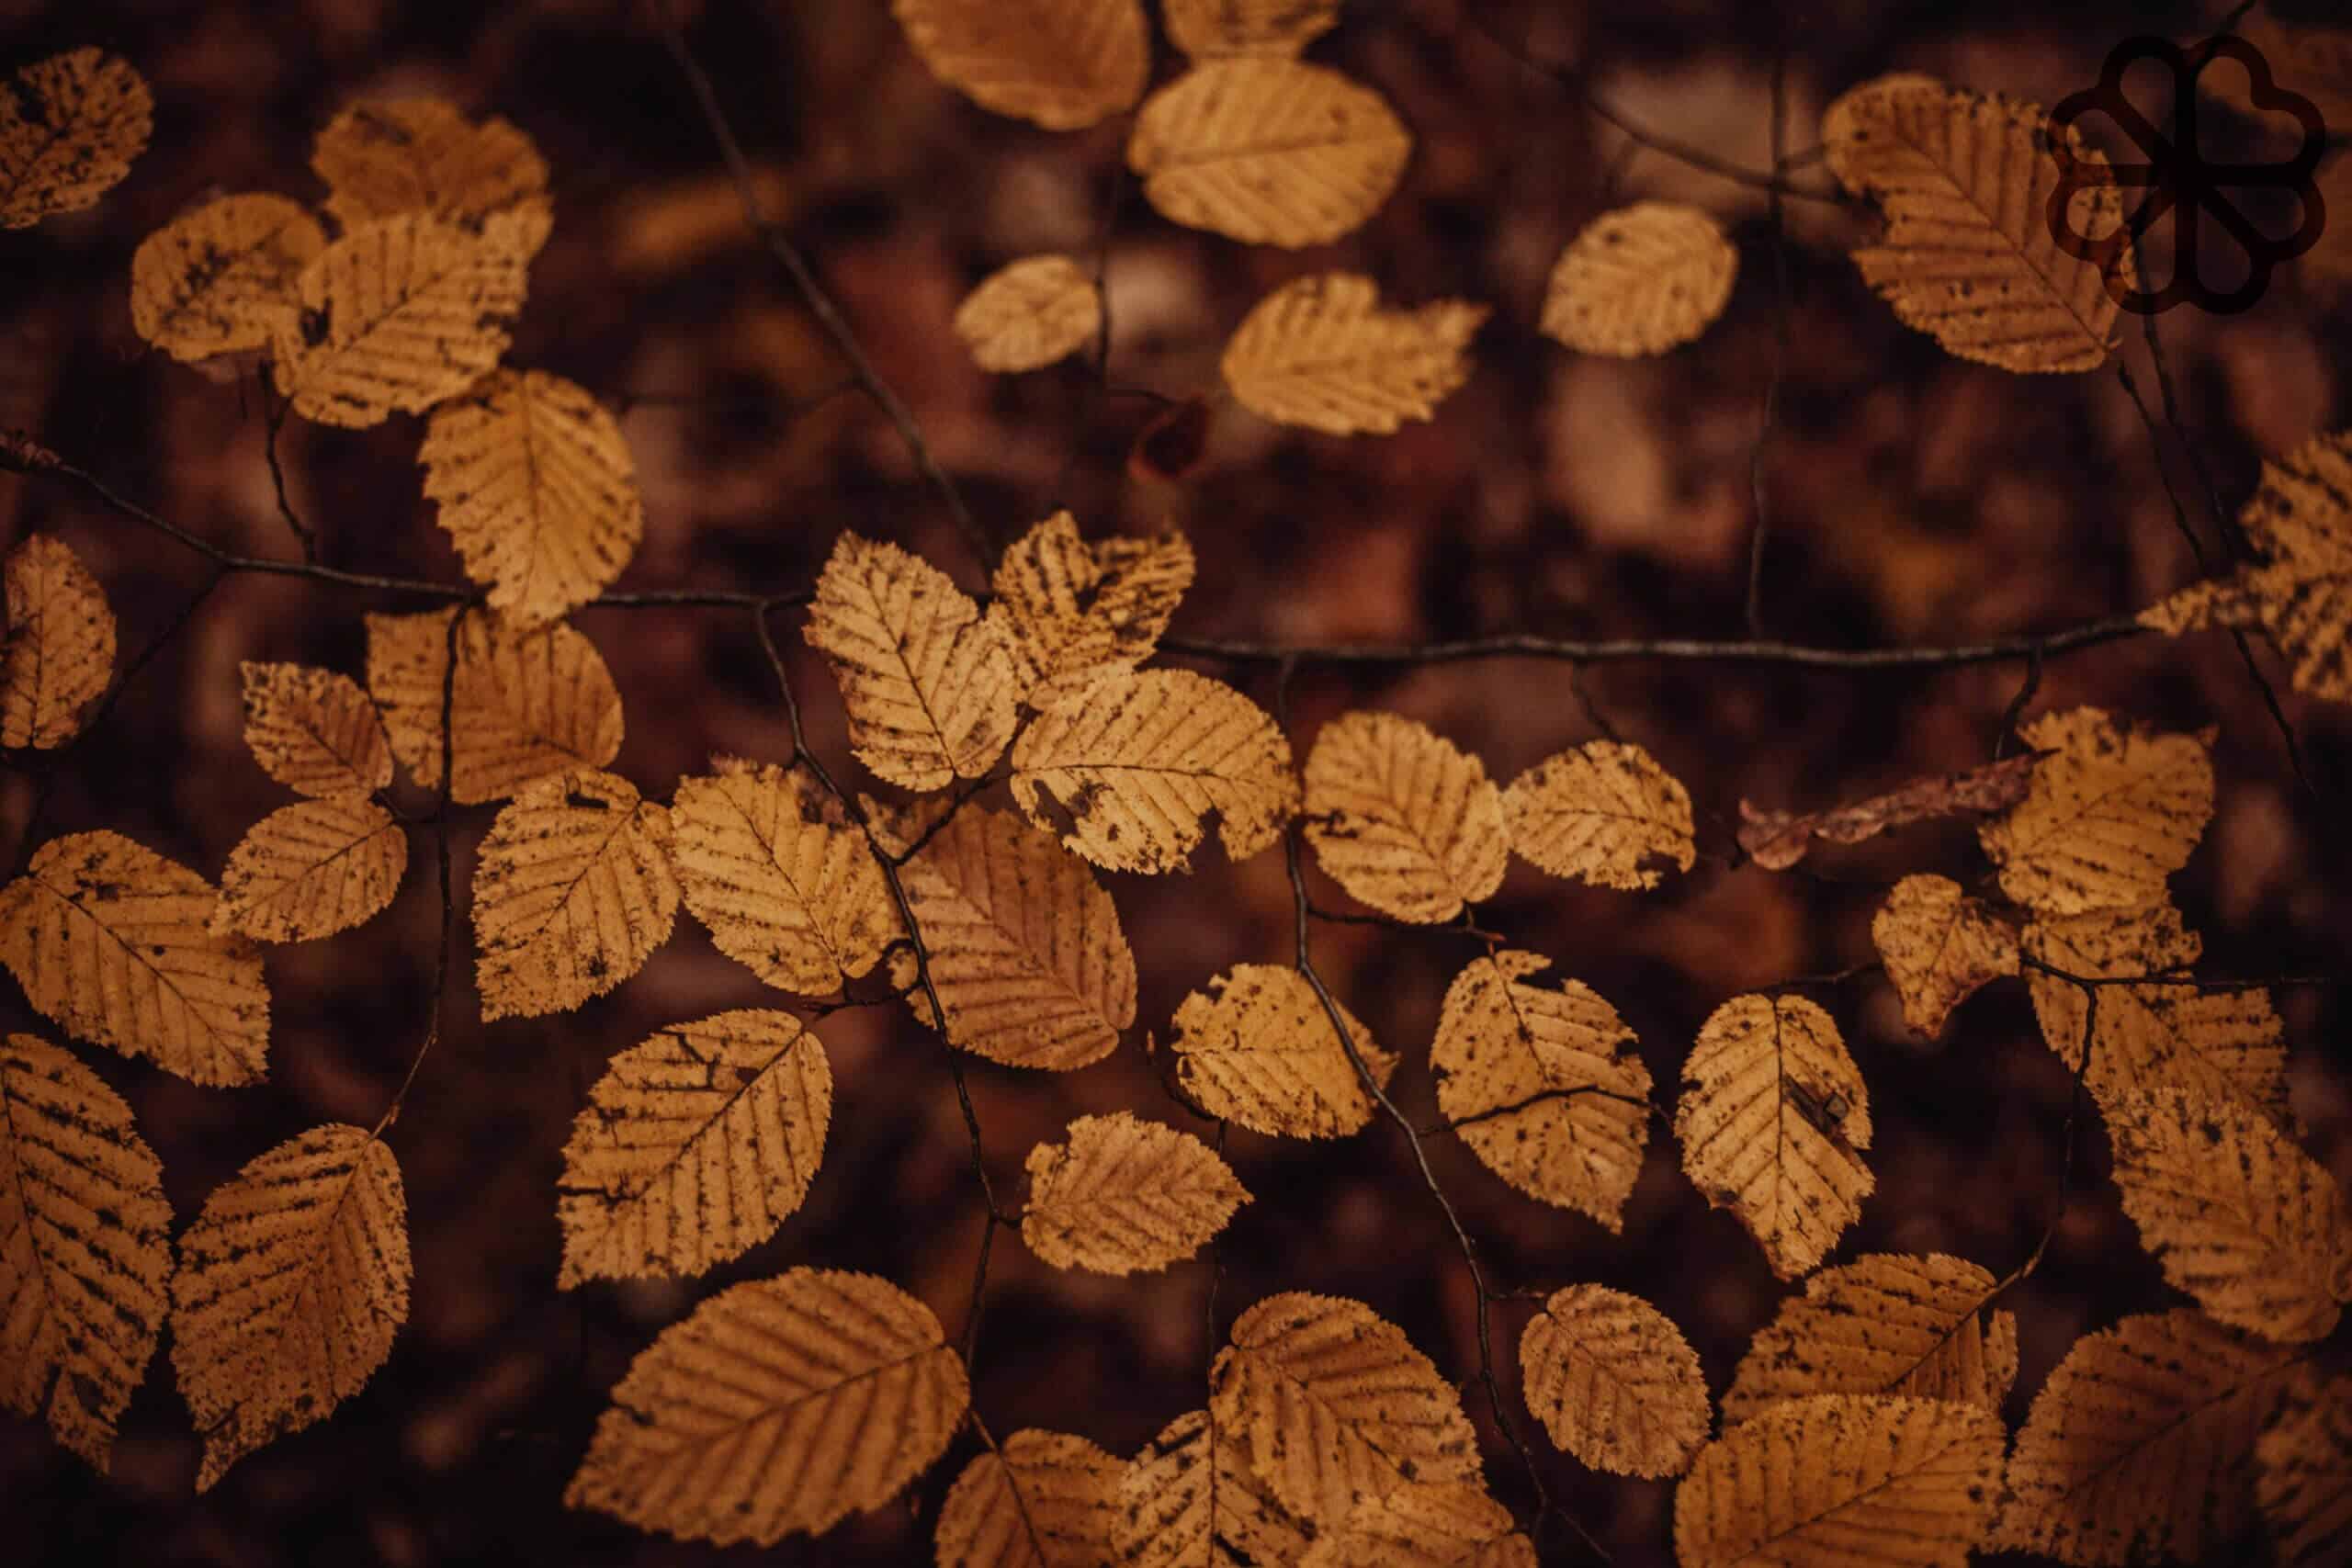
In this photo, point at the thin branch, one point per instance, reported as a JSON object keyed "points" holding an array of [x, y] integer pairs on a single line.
{"points": [[274, 411], [440, 820]]}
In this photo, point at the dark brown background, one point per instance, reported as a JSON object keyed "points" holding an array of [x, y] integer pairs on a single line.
{"points": [[1913, 499]]}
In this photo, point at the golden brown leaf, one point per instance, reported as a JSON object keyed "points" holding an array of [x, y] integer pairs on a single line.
{"points": [[1131, 769], [1771, 1122], [1209, 29], [1597, 812], [1126, 1197], [2303, 1476], [779, 1406], [1884, 1324], [398, 155], [1072, 611], [216, 279], [292, 1283], [2104, 822], [1401, 819], [1029, 313], [1850, 1478], [1938, 947], [1778, 840], [1063, 65], [1545, 1087], [1333, 1406], [70, 126], [109, 941], [1640, 280], [1065, 1513], [311, 870], [1268, 152], [1321, 353], [81, 1303], [1614, 1382], [1190, 1500], [694, 1146], [1438, 1524], [1968, 255], [1256, 1048], [59, 656], [314, 731]]}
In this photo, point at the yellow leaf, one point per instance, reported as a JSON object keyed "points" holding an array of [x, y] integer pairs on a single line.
{"points": [[1884, 1324], [399, 155], [398, 314], [1852, 1479], [1778, 840], [1321, 353], [1614, 1382], [695, 1145], [1940, 947], [70, 125], [1269, 152], [108, 939], [927, 683], [1066, 1515], [292, 1283], [1072, 611], [314, 731], [1333, 1406], [2303, 1476], [779, 1406], [523, 704], [1968, 257], [1401, 819], [2239, 1217], [81, 1303], [536, 488], [1125, 1197], [1770, 1123], [1256, 1048], [796, 898], [1640, 280], [2105, 820], [311, 870], [1130, 770], [59, 655], [1190, 1500], [2140, 1445], [1027, 315], [572, 893], [1063, 65], [215, 280], [1025, 949], [1425, 1525], [1597, 812], [1208, 30], [1545, 1087]]}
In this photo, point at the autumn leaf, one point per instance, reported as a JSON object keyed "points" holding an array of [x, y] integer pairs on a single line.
{"points": [[1778, 840], [1190, 1499], [2303, 1473], [311, 870], [1321, 353], [1047, 1500], [216, 279], [1888, 1323], [59, 655], [1072, 610], [1425, 1524], [1063, 65], [70, 126], [523, 704], [314, 731], [1640, 280], [1614, 1382], [1940, 947], [1256, 1048], [392, 156], [1401, 819], [1598, 812], [1125, 1197], [1029, 313], [2104, 822]]}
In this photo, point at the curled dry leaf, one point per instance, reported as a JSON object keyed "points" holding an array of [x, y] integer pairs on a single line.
{"points": [[2140, 1445], [523, 704], [1072, 611], [81, 1305], [111, 941], [572, 893], [314, 731], [694, 1146], [1334, 1405], [292, 1283], [1065, 1513], [1210, 30], [1268, 152], [1598, 811], [70, 125], [1778, 840], [1545, 1086], [2105, 820], [536, 488], [1029, 313], [1063, 65], [397, 155], [1640, 280], [1912, 1326], [1853, 1479], [1126, 1197], [1131, 771], [787, 890], [1256, 1048], [1433, 1524], [311, 870], [215, 280], [1614, 1382], [1772, 1121], [778, 1406], [2303, 1474], [1401, 819], [1190, 1499], [2239, 1217], [1322, 354], [1938, 947], [1969, 256], [59, 656]]}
